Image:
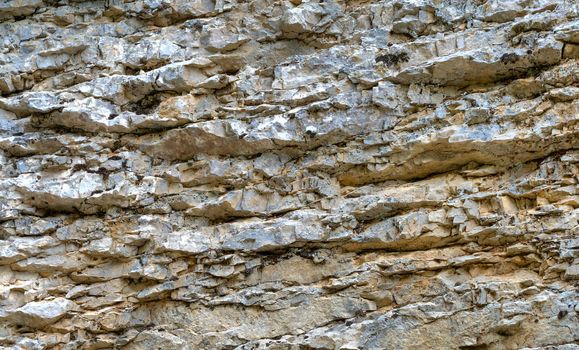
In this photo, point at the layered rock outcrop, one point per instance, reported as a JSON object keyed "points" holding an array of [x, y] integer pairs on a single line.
{"points": [[227, 174]]}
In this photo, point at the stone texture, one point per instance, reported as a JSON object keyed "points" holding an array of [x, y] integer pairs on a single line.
{"points": [[292, 174]]}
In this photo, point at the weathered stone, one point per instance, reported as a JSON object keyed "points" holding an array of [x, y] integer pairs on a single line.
{"points": [[302, 174], [41, 313]]}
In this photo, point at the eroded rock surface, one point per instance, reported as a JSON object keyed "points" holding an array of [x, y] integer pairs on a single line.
{"points": [[296, 174]]}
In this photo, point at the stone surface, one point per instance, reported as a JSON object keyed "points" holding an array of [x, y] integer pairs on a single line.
{"points": [[41, 313], [289, 174]]}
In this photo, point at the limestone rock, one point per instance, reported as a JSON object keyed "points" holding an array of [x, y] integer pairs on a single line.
{"points": [[41, 313], [302, 174]]}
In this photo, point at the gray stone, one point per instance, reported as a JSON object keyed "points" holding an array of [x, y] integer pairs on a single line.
{"points": [[38, 314]]}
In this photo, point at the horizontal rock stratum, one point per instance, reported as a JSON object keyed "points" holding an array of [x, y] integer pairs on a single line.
{"points": [[289, 174]]}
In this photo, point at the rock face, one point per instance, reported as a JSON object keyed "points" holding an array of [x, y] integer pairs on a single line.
{"points": [[295, 174]]}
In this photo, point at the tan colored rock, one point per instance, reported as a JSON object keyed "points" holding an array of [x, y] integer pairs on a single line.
{"points": [[302, 174]]}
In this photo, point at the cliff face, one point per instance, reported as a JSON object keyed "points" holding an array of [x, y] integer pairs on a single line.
{"points": [[229, 174]]}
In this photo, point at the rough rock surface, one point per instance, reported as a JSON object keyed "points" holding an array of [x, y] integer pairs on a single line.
{"points": [[295, 174]]}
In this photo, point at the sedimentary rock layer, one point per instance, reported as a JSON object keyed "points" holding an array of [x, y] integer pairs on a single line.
{"points": [[296, 174]]}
